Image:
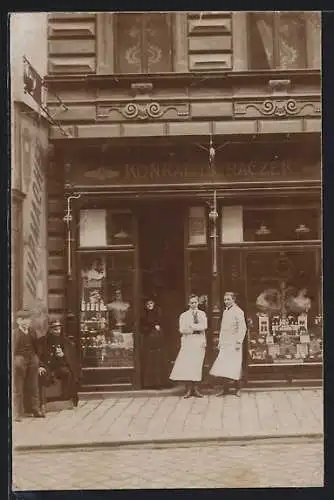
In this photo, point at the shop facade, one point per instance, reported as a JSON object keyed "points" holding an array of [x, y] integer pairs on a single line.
{"points": [[191, 181], [163, 222]]}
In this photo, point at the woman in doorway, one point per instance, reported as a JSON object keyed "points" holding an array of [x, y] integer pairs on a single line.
{"points": [[153, 345]]}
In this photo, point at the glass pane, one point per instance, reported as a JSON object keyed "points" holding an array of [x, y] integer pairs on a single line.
{"points": [[232, 224], [106, 310], [283, 309], [129, 43], [262, 40], [266, 224], [292, 40], [92, 228], [158, 39], [199, 276], [119, 228], [144, 43], [197, 226]]}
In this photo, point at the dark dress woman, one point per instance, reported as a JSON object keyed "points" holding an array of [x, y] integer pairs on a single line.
{"points": [[153, 355]]}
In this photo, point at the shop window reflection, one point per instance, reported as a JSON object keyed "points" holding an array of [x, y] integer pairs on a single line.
{"points": [[119, 228], [284, 320], [106, 310], [281, 224]]}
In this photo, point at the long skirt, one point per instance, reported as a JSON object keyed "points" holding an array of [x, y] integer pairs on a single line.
{"points": [[189, 362], [154, 362], [228, 363]]}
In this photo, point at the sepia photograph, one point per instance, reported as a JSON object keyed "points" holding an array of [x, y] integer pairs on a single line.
{"points": [[166, 250]]}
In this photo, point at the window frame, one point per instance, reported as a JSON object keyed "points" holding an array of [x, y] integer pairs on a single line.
{"points": [[275, 22], [143, 42]]}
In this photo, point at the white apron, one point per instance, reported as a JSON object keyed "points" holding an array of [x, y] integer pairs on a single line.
{"points": [[189, 362], [233, 329]]}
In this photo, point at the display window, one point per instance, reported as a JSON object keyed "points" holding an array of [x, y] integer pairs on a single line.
{"points": [[267, 224], [283, 306], [106, 309], [106, 228]]}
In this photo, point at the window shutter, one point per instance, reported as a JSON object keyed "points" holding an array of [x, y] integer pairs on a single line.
{"points": [[313, 36], [105, 56], [240, 42], [180, 42]]}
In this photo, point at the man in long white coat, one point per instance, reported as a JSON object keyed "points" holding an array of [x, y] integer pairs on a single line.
{"points": [[189, 362], [232, 332]]}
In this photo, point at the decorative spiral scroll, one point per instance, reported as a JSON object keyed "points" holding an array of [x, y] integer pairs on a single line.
{"points": [[279, 108], [131, 110], [154, 110]]}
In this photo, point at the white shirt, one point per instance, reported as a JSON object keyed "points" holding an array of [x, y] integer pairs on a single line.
{"points": [[187, 324]]}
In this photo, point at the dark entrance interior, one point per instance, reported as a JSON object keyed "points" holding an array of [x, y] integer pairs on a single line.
{"points": [[161, 261]]}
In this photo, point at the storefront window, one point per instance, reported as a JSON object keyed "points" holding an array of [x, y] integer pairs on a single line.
{"points": [[283, 307], [197, 226], [232, 224], [199, 276], [100, 228], [281, 224], [106, 306], [119, 228]]}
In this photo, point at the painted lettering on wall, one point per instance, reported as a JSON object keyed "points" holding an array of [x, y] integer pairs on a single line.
{"points": [[36, 207], [186, 172], [34, 219]]}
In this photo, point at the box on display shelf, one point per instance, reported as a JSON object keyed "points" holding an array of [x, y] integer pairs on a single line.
{"points": [[288, 339]]}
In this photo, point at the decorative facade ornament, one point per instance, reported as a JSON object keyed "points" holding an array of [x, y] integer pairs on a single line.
{"points": [[142, 111], [279, 108]]}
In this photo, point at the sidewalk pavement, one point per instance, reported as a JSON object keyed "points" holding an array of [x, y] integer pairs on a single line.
{"points": [[131, 420]]}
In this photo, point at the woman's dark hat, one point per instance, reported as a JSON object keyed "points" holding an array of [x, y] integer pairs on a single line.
{"points": [[55, 324]]}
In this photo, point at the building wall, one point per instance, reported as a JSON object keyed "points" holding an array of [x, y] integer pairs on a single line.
{"points": [[29, 146]]}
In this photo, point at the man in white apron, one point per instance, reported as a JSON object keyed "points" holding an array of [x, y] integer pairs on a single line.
{"points": [[232, 332], [189, 362]]}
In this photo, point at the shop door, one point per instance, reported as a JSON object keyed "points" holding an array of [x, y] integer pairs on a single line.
{"points": [[161, 261]]}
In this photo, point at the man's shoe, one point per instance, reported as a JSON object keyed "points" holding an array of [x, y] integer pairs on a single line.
{"points": [[221, 393], [197, 394], [237, 393], [38, 414], [188, 394], [18, 419], [75, 400]]}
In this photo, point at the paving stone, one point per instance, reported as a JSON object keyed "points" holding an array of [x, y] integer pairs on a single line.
{"points": [[125, 418]]}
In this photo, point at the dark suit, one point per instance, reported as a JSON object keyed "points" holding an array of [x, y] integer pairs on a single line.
{"points": [[25, 370], [65, 368]]}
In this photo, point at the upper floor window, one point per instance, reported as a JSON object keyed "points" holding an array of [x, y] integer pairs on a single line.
{"points": [[278, 40], [144, 43]]}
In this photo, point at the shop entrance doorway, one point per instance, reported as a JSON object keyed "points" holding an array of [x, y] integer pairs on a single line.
{"points": [[161, 263]]}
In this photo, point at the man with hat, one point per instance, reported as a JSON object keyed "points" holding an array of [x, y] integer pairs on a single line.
{"points": [[58, 359], [25, 366]]}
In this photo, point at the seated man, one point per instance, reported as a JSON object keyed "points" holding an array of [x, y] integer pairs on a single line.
{"points": [[58, 359]]}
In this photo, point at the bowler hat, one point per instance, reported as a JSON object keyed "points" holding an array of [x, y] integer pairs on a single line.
{"points": [[23, 313]]}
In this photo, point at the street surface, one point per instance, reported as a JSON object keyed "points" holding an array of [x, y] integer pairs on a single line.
{"points": [[124, 419], [206, 466]]}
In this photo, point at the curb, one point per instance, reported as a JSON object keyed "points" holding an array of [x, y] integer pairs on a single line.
{"points": [[178, 391], [176, 441]]}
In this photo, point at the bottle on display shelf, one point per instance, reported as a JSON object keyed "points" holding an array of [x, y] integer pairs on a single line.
{"points": [[83, 305], [88, 306]]}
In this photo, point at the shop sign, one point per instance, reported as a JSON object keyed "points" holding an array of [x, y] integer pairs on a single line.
{"points": [[137, 173], [34, 225]]}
